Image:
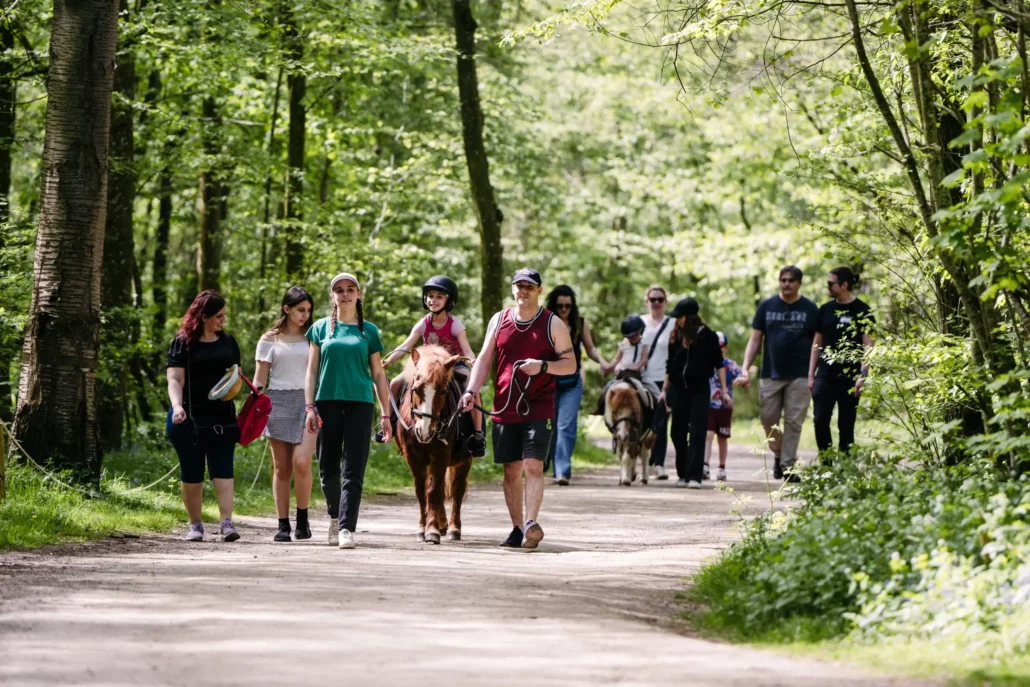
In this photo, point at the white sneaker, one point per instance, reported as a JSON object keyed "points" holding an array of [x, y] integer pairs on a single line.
{"points": [[681, 483], [721, 475], [660, 473], [347, 539], [334, 533], [707, 474], [693, 484]]}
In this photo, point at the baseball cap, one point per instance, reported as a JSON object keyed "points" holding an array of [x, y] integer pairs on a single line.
{"points": [[342, 276], [687, 306], [527, 274], [721, 337]]}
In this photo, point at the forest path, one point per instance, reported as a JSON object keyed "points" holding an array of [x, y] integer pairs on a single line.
{"points": [[593, 605]]}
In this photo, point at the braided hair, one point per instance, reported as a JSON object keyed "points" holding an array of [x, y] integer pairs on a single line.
{"points": [[361, 319], [335, 314]]}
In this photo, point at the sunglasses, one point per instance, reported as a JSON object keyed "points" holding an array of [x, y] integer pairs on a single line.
{"points": [[565, 306], [657, 300]]}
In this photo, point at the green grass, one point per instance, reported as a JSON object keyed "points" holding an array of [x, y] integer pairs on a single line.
{"points": [[38, 511]]}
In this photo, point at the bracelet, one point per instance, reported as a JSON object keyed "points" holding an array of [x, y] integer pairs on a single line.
{"points": [[310, 407], [384, 417]]}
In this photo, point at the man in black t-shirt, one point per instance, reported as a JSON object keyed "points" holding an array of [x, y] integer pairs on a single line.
{"points": [[836, 372], [785, 324]]}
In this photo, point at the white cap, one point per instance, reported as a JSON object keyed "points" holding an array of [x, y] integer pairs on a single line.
{"points": [[344, 276]]}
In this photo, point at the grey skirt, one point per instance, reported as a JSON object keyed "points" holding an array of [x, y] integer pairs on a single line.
{"points": [[286, 423]]}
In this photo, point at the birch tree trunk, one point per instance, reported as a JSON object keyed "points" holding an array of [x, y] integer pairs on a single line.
{"points": [[56, 418]]}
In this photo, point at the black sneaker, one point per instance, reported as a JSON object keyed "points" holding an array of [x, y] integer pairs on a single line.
{"points": [[777, 469], [303, 531], [477, 444], [284, 533], [514, 540], [793, 478]]}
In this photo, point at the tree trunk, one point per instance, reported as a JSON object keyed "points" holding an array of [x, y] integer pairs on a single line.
{"points": [[490, 216], [119, 253], [211, 202], [296, 82], [8, 100], [56, 418]]}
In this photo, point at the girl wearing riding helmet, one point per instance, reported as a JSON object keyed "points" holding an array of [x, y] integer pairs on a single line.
{"points": [[441, 328], [344, 376]]}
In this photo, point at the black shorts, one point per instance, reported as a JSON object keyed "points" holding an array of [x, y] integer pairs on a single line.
{"points": [[515, 441]]}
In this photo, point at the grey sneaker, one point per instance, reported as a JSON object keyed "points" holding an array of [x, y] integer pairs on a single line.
{"points": [[681, 483], [721, 475], [693, 484], [196, 532], [334, 532], [229, 532]]}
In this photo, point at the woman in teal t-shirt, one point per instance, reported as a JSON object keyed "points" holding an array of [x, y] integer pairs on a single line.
{"points": [[343, 368]]}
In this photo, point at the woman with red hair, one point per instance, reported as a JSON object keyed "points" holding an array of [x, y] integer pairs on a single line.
{"points": [[199, 428]]}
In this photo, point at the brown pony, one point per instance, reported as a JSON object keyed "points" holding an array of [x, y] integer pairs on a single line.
{"points": [[427, 435], [631, 435]]}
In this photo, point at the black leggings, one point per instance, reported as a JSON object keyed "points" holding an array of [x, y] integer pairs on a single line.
{"points": [[689, 417], [343, 445], [661, 433]]}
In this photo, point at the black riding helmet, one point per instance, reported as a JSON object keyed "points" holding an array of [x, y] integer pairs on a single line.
{"points": [[441, 283], [634, 324]]}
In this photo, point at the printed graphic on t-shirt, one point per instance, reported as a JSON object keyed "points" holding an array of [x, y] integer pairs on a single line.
{"points": [[732, 372]]}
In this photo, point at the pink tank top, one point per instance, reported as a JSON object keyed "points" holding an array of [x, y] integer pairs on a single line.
{"points": [[524, 341], [444, 336]]}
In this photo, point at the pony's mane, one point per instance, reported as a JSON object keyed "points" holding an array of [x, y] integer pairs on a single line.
{"points": [[429, 355]]}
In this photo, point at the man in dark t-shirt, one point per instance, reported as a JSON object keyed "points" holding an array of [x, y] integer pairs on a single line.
{"points": [[836, 372], [784, 328]]}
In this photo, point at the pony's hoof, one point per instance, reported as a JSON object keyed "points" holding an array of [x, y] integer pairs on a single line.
{"points": [[454, 535], [420, 537], [432, 538], [625, 483], [643, 481]]}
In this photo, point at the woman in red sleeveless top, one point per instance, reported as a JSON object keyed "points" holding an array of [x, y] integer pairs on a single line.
{"points": [[532, 346], [441, 328]]}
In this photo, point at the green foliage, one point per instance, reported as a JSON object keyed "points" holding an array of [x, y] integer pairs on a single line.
{"points": [[879, 552]]}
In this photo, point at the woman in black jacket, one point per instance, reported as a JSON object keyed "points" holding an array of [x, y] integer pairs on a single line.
{"points": [[694, 356]]}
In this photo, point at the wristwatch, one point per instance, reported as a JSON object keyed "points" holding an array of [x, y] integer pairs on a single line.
{"points": [[543, 366]]}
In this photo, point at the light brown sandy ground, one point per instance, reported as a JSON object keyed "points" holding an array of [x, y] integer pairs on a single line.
{"points": [[594, 605]]}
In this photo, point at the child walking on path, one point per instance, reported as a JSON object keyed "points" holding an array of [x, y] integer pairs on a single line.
{"points": [[720, 415], [282, 360]]}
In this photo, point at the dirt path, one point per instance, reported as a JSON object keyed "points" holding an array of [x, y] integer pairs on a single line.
{"points": [[594, 605]]}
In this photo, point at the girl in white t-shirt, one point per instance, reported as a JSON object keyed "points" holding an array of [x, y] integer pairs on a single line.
{"points": [[282, 363], [656, 338]]}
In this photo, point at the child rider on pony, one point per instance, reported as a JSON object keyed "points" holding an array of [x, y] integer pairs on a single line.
{"points": [[441, 328]]}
